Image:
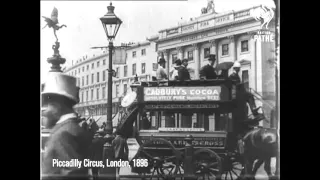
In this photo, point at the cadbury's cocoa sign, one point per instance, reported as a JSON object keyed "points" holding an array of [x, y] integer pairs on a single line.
{"points": [[208, 93]]}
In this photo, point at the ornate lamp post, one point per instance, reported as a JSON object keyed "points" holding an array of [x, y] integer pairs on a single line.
{"points": [[111, 24]]}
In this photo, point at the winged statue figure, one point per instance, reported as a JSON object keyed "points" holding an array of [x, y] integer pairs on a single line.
{"points": [[53, 22]]}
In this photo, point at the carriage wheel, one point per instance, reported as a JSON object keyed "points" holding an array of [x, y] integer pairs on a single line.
{"points": [[162, 166], [232, 168], [208, 165]]}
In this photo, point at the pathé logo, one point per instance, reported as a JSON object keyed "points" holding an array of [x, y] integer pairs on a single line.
{"points": [[264, 14]]}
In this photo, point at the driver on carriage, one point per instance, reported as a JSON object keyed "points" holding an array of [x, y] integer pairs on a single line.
{"points": [[256, 116]]}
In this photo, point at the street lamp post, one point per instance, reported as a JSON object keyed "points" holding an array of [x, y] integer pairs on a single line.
{"points": [[111, 24]]}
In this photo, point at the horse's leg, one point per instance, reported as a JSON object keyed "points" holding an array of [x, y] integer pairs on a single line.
{"points": [[267, 167], [257, 166], [247, 172]]}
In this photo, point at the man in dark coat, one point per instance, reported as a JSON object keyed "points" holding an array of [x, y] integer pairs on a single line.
{"points": [[97, 151], [183, 73], [68, 142], [208, 71], [121, 149]]}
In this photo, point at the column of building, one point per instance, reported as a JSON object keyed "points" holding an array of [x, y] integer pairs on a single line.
{"points": [[197, 67]]}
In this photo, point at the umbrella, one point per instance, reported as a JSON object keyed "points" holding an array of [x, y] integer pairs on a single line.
{"points": [[224, 66]]}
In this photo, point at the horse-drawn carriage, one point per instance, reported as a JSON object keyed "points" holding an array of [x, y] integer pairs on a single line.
{"points": [[186, 129]]}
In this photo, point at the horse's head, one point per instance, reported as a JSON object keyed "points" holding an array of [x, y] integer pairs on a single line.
{"points": [[269, 136]]}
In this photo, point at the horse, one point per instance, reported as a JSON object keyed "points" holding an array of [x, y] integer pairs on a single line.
{"points": [[259, 144]]}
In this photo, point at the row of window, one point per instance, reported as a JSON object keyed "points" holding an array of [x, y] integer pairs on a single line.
{"points": [[134, 69], [206, 51], [117, 93], [143, 53], [74, 73]]}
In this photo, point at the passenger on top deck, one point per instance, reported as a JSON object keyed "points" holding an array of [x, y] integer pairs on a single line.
{"points": [[174, 71], [208, 71], [161, 73], [183, 73]]}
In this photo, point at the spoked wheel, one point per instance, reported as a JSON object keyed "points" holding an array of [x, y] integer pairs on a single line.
{"points": [[163, 165], [208, 165], [232, 168]]}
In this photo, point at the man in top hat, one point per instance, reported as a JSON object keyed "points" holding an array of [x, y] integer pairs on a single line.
{"points": [[183, 73], [68, 141], [208, 71], [161, 73], [177, 65]]}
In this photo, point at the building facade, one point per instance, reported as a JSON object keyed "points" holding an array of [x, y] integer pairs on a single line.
{"points": [[92, 78]]}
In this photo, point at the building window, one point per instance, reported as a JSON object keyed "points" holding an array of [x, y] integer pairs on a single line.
{"points": [[117, 72], [104, 62], [225, 49], [97, 93], [206, 52], [125, 71], [78, 83], [245, 79], [125, 89], [75, 73], [174, 58], [143, 68], [154, 66], [82, 80], [103, 92], [190, 55], [91, 94], [87, 67], [134, 54], [98, 63], [92, 66], [143, 52], [81, 97], [103, 75], [117, 90], [244, 46], [87, 96], [98, 77], [134, 69], [92, 78], [83, 69], [87, 80], [79, 70]]}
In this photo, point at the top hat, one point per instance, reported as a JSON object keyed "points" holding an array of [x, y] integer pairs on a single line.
{"points": [[177, 63], [63, 85], [162, 60], [212, 57]]}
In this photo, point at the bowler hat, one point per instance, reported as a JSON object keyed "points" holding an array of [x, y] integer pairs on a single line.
{"points": [[162, 60], [212, 57], [62, 85]]}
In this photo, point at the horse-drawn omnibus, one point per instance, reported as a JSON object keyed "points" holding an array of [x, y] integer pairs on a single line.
{"points": [[166, 116]]}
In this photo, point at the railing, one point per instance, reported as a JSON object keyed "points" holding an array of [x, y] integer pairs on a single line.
{"points": [[260, 97]]}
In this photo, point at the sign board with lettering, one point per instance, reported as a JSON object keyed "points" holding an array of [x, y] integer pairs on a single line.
{"points": [[181, 106], [178, 142], [209, 93], [205, 24], [181, 129]]}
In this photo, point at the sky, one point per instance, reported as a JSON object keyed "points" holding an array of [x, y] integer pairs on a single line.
{"points": [[141, 19]]}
